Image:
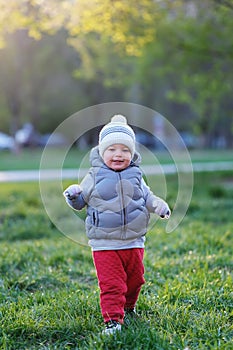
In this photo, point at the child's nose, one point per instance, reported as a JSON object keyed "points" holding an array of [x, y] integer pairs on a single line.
{"points": [[118, 153]]}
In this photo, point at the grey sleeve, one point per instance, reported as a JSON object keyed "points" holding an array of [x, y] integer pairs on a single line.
{"points": [[149, 196]]}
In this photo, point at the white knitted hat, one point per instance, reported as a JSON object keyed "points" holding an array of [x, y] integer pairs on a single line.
{"points": [[117, 131]]}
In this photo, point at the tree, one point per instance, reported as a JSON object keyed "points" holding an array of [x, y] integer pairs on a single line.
{"points": [[129, 27], [175, 56], [190, 66], [102, 32], [113, 26], [36, 81], [36, 16]]}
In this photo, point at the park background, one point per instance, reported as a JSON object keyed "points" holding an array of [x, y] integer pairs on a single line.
{"points": [[60, 57]]}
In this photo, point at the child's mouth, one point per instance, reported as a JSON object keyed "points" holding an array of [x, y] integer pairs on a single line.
{"points": [[118, 161]]}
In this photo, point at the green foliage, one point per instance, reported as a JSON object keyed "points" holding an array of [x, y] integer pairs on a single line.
{"points": [[191, 65], [36, 80], [173, 56], [49, 294]]}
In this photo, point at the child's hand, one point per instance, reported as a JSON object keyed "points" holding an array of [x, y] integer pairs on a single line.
{"points": [[161, 208], [72, 192]]}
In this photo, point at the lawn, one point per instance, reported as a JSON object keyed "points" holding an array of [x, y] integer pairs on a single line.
{"points": [[49, 294]]}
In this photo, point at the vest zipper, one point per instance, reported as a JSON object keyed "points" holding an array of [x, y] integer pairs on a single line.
{"points": [[123, 204]]}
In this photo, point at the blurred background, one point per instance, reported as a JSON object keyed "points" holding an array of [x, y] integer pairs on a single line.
{"points": [[58, 57]]}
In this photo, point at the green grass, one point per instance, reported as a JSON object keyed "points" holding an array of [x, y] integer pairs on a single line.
{"points": [[49, 293], [30, 158]]}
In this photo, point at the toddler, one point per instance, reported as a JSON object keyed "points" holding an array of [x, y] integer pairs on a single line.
{"points": [[119, 204]]}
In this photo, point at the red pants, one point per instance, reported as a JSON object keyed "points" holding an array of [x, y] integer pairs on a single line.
{"points": [[120, 276]]}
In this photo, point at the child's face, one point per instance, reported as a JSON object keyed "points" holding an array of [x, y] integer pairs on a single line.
{"points": [[117, 157]]}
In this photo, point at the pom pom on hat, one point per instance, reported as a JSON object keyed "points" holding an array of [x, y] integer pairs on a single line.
{"points": [[118, 118], [117, 132]]}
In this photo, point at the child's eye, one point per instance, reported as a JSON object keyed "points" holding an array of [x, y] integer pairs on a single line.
{"points": [[125, 150]]}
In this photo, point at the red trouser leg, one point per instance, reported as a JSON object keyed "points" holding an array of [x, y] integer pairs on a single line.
{"points": [[120, 276], [135, 279]]}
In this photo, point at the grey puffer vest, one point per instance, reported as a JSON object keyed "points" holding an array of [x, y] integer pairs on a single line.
{"points": [[116, 205]]}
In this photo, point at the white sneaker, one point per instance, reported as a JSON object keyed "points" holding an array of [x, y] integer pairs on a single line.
{"points": [[112, 327]]}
